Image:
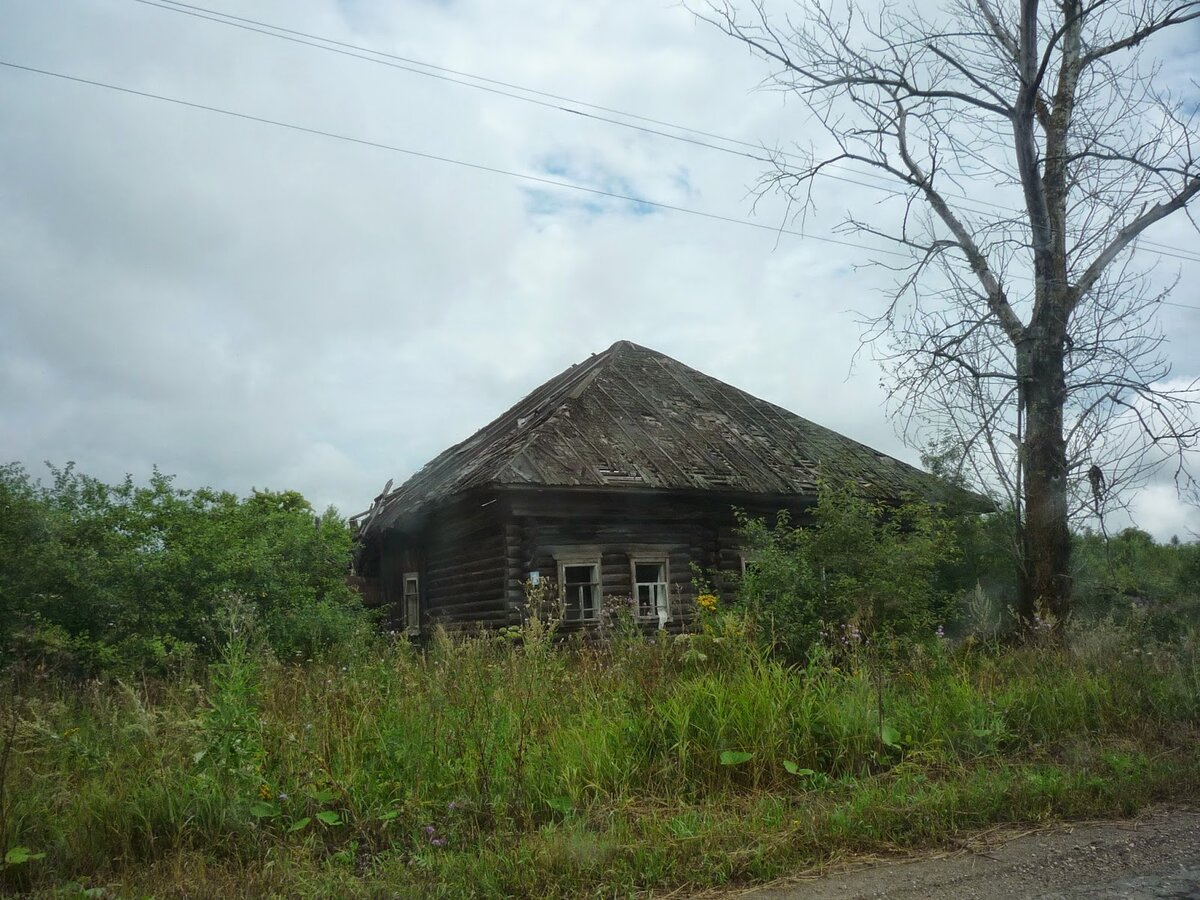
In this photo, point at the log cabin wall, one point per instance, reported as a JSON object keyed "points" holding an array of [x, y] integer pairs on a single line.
{"points": [[399, 553], [615, 528], [463, 581], [474, 555]]}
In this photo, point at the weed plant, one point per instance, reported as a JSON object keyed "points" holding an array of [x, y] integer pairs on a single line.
{"points": [[517, 765]]}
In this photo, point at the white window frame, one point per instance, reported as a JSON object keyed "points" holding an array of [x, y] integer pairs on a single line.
{"points": [[412, 602], [660, 597], [596, 584]]}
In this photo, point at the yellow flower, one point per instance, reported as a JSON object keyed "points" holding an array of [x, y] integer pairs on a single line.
{"points": [[264, 791], [707, 602]]}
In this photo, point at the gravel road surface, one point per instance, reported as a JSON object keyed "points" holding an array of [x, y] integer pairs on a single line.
{"points": [[1153, 857]]}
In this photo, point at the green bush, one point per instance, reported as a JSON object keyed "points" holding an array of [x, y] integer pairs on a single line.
{"points": [[109, 578], [858, 567]]}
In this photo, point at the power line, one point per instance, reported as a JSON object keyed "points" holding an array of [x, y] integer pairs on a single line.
{"points": [[408, 63], [300, 37], [306, 40], [174, 6], [537, 179]]}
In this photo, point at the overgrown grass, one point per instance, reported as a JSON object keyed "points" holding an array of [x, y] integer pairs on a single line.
{"points": [[517, 767]]}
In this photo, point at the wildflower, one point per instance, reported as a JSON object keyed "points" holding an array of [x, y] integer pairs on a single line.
{"points": [[707, 602], [438, 842], [264, 792], [430, 830], [941, 632], [282, 797]]}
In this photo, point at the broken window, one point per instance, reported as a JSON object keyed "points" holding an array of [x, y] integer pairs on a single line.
{"points": [[650, 590], [581, 592]]}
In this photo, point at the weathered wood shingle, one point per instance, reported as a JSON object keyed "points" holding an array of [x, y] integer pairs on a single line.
{"points": [[633, 418]]}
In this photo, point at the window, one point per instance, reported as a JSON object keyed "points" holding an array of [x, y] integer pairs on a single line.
{"points": [[650, 590], [412, 603], [581, 592]]}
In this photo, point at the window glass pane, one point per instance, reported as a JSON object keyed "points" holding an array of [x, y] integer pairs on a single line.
{"points": [[580, 593], [651, 590], [578, 574], [649, 572], [645, 600], [412, 602]]}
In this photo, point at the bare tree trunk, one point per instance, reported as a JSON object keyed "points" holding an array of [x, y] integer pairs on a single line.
{"points": [[1045, 580]]}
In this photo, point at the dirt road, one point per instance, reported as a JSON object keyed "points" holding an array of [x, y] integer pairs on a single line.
{"points": [[1154, 857]]}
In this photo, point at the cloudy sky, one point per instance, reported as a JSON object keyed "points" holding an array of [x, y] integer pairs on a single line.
{"points": [[245, 305]]}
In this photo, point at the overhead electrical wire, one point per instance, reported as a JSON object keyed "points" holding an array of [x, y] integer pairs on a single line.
{"points": [[505, 88], [537, 179]]}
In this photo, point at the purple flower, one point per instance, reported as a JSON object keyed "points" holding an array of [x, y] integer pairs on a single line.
{"points": [[438, 842], [452, 805], [430, 830]]}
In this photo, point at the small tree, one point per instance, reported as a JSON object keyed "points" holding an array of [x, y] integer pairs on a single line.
{"points": [[1028, 330]]}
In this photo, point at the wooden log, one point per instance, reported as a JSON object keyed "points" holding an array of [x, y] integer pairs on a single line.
{"points": [[489, 566], [443, 592], [489, 604]]}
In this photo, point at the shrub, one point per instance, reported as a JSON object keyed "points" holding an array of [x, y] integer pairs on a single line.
{"points": [[858, 566], [1130, 574], [109, 578]]}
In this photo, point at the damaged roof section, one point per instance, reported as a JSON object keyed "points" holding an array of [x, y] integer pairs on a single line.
{"points": [[631, 417]]}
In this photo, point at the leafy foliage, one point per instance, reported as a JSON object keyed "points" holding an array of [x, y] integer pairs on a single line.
{"points": [[512, 763], [97, 577], [1131, 576], [858, 565]]}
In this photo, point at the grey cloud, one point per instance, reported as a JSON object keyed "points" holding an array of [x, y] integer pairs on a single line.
{"points": [[247, 306]]}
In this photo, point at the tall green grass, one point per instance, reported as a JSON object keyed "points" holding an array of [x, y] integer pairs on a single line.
{"points": [[504, 765]]}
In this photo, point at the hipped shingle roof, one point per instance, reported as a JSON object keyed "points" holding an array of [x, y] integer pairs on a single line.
{"points": [[630, 418]]}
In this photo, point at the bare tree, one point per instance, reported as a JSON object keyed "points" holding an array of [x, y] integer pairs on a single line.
{"points": [[1029, 330]]}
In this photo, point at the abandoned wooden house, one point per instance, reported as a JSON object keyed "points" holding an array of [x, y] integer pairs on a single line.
{"points": [[609, 481]]}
